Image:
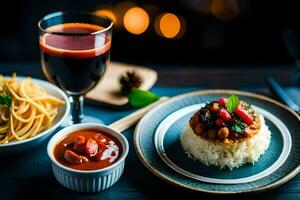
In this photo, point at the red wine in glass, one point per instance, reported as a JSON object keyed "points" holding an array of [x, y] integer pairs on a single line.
{"points": [[75, 51], [74, 63]]}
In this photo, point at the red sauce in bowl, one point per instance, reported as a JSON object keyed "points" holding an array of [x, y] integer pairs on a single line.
{"points": [[87, 150]]}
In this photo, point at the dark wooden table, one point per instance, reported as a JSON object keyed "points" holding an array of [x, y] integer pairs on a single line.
{"points": [[29, 175]]}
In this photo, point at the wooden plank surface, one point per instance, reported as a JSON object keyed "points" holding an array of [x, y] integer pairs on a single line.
{"points": [[108, 89]]}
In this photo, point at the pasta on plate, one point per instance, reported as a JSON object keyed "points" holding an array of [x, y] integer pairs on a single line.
{"points": [[25, 109]]}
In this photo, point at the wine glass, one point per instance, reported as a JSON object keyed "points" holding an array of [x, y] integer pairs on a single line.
{"points": [[75, 51]]}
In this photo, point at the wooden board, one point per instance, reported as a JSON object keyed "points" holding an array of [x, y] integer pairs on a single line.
{"points": [[108, 89]]}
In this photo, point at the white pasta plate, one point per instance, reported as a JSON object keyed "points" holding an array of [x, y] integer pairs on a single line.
{"points": [[14, 147]]}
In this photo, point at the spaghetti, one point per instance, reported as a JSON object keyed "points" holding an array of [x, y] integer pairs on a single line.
{"points": [[29, 109]]}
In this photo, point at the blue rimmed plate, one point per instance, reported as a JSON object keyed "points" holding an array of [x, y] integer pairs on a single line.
{"points": [[158, 146]]}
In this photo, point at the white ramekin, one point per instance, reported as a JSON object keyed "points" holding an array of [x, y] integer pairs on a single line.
{"points": [[91, 180]]}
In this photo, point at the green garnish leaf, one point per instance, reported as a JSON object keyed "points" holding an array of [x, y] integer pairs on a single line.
{"points": [[5, 99], [232, 103], [238, 127], [140, 98]]}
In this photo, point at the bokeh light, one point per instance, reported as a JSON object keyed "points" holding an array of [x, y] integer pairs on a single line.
{"points": [[136, 20], [107, 13], [169, 25], [225, 10], [120, 10]]}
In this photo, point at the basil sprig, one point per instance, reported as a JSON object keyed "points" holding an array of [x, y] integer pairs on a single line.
{"points": [[232, 103]]}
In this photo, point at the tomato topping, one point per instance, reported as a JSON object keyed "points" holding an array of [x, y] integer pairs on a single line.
{"points": [[223, 101], [225, 115], [245, 117], [91, 147], [219, 122]]}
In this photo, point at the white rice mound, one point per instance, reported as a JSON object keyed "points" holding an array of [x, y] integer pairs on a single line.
{"points": [[226, 155]]}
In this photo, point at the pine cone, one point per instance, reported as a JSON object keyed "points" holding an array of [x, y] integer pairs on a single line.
{"points": [[130, 80]]}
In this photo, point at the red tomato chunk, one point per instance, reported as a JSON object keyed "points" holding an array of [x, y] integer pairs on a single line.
{"points": [[225, 115], [245, 117], [222, 101]]}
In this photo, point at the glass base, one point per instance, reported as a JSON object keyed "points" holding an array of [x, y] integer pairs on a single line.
{"points": [[86, 119]]}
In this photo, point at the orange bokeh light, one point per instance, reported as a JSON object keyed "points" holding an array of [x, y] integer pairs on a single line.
{"points": [[225, 10], [107, 13], [136, 20], [168, 25]]}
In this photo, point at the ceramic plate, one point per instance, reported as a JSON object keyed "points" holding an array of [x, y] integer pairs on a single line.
{"points": [[157, 143], [63, 111]]}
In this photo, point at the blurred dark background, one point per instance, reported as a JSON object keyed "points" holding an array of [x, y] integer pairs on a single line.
{"points": [[201, 32]]}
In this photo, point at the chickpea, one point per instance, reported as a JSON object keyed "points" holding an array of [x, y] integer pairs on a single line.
{"points": [[223, 133], [194, 121], [252, 127], [199, 129], [249, 133], [214, 107], [212, 133], [226, 141]]}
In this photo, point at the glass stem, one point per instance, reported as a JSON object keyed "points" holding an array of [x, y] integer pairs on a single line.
{"points": [[76, 108]]}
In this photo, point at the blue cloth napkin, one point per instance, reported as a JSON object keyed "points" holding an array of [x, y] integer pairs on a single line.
{"points": [[294, 94]]}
